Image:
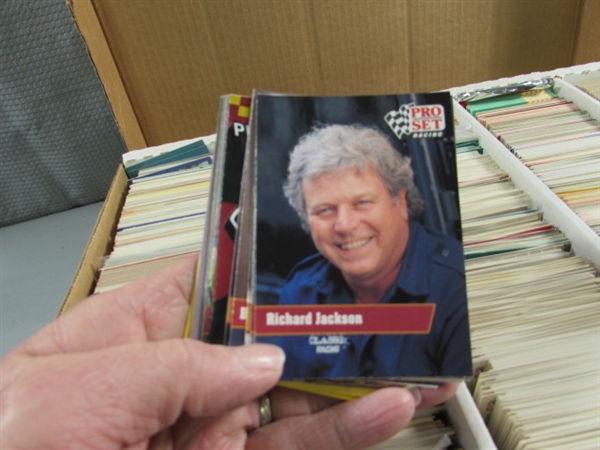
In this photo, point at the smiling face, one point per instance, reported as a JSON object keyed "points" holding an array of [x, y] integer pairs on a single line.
{"points": [[357, 225]]}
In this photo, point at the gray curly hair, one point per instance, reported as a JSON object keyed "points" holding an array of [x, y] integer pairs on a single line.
{"points": [[340, 147]]}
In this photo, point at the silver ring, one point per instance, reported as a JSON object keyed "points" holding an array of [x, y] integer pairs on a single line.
{"points": [[264, 409]]}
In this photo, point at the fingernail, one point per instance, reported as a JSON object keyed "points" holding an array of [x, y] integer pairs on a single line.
{"points": [[416, 393], [258, 357]]}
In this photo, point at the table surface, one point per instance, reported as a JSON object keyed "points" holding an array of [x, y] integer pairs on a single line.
{"points": [[38, 260]]}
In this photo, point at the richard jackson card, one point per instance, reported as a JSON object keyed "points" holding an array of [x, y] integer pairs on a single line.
{"points": [[358, 259]]}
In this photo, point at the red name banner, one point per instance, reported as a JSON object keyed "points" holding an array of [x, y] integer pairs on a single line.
{"points": [[238, 313], [343, 319]]}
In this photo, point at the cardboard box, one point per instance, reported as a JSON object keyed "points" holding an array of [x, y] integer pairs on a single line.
{"points": [[164, 65], [461, 409]]}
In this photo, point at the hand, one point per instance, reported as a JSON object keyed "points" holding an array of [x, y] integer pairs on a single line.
{"points": [[113, 372], [310, 421]]}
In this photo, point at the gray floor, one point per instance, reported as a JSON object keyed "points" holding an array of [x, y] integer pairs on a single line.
{"points": [[38, 260]]}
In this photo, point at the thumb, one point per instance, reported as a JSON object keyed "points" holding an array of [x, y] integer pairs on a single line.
{"points": [[358, 423], [123, 395]]}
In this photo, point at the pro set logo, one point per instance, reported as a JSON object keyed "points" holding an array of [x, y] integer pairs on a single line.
{"points": [[417, 121]]}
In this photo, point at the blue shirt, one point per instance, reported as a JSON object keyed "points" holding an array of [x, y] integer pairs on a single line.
{"points": [[432, 272]]}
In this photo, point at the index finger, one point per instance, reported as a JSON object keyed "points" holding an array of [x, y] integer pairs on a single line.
{"points": [[128, 393], [151, 309]]}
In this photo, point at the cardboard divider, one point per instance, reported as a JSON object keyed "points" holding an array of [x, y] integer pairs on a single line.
{"points": [[99, 244], [89, 26]]}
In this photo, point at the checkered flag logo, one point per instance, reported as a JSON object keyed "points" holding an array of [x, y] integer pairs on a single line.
{"points": [[399, 121]]}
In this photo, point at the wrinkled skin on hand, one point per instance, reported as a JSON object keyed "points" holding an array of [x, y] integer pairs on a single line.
{"points": [[113, 372]]}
